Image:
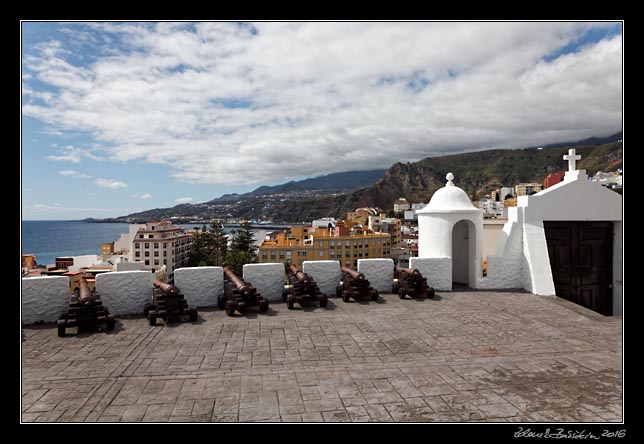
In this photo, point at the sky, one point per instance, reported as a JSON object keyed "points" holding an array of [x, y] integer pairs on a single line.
{"points": [[129, 116]]}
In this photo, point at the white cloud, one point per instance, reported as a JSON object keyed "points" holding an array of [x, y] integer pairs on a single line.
{"points": [[110, 184], [72, 173], [183, 200], [73, 154], [222, 105], [146, 196], [58, 207]]}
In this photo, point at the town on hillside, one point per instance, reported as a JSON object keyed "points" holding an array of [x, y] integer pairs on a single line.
{"points": [[162, 246]]}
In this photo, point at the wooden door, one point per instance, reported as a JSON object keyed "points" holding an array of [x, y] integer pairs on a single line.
{"points": [[581, 259]]}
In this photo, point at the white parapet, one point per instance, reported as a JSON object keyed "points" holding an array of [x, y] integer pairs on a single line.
{"points": [[200, 285], [437, 270], [44, 298], [268, 279], [125, 292], [379, 273], [327, 275]]}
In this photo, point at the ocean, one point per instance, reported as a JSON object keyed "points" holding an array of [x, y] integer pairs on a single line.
{"points": [[48, 239]]}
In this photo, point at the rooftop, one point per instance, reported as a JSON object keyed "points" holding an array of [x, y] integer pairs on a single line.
{"points": [[463, 356]]}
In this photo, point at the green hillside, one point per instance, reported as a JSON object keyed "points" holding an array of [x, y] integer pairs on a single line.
{"points": [[477, 173]]}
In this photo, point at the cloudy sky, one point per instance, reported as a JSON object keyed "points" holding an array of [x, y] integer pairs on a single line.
{"points": [[123, 117]]}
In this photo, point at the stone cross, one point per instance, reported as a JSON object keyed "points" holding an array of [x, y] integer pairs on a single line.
{"points": [[572, 159]]}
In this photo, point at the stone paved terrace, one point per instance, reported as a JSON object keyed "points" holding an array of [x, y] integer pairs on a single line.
{"points": [[466, 356]]}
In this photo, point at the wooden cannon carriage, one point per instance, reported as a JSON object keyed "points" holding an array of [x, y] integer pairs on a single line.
{"points": [[411, 283], [302, 287], [169, 304], [86, 312], [355, 285], [239, 295]]}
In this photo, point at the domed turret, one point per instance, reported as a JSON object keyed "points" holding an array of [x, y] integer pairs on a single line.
{"points": [[451, 228], [450, 198]]}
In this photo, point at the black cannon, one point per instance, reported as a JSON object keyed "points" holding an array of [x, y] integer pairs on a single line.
{"points": [[86, 312], [412, 283], [168, 303], [355, 285], [302, 287], [239, 295]]}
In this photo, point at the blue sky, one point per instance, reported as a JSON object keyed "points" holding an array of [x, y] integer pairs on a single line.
{"points": [[123, 117]]}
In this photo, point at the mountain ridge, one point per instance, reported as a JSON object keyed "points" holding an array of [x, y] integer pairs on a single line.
{"points": [[476, 172]]}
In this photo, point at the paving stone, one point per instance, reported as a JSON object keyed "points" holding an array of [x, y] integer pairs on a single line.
{"points": [[474, 356], [336, 416]]}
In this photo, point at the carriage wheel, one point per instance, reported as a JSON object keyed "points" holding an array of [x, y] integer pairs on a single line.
{"points": [[193, 315], [263, 307], [346, 296], [374, 296], [221, 301], [152, 318], [230, 310], [61, 327], [323, 301], [111, 322]]}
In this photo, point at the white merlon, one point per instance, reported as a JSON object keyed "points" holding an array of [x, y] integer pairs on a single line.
{"points": [[326, 274], [125, 292], [44, 298], [200, 285], [379, 273], [268, 279], [437, 270]]}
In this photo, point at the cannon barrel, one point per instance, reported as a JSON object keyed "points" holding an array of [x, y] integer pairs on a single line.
{"points": [[354, 274], [166, 288], [85, 296], [299, 275], [412, 271], [238, 283]]}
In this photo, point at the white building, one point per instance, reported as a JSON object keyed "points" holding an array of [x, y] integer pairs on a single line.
{"points": [[412, 213], [323, 222], [492, 208], [565, 240], [162, 243], [124, 244], [505, 191], [610, 180]]}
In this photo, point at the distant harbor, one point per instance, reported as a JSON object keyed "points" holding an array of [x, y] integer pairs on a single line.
{"points": [[49, 239], [262, 226]]}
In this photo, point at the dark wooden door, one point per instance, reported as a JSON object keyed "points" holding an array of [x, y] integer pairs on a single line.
{"points": [[581, 258]]}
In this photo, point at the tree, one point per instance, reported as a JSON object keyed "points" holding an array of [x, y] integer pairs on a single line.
{"points": [[243, 240], [209, 246], [198, 251], [242, 249], [219, 244]]}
